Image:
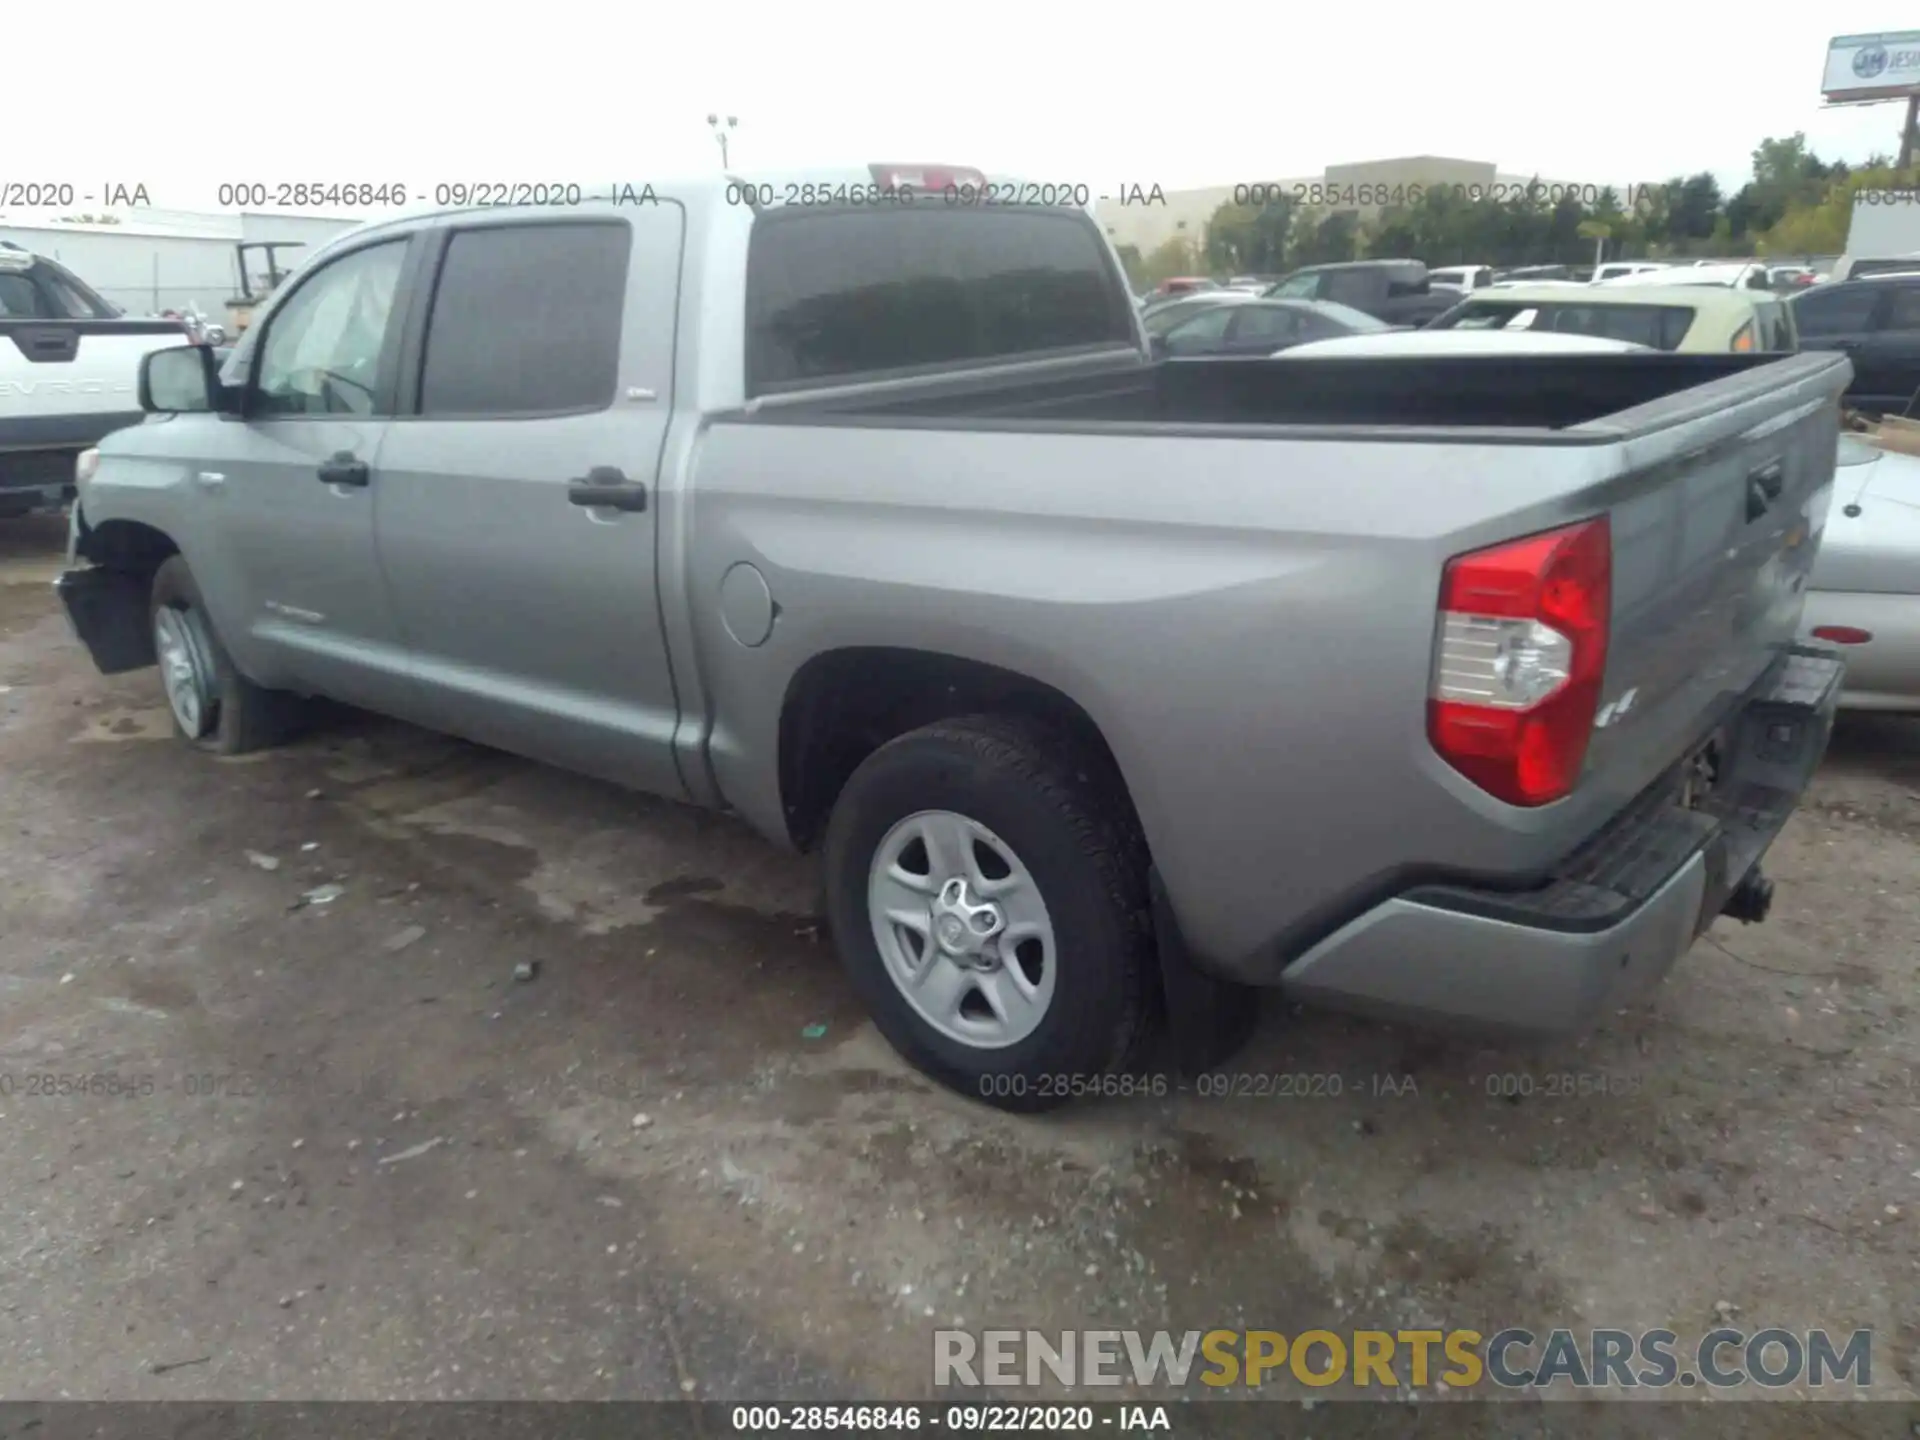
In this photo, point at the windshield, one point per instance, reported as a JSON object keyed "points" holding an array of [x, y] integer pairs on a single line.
{"points": [[1296, 285]]}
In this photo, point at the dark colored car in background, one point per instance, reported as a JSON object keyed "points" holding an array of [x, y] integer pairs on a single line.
{"points": [[1876, 321], [1260, 327], [1162, 315], [1395, 291]]}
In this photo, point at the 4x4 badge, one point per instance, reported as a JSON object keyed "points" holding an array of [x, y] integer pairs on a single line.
{"points": [[1613, 710]]}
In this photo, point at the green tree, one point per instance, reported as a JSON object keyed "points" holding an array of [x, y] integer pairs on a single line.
{"points": [[1695, 208], [1327, 239], [1173, 256], [1250, 239], [1821, 228]]}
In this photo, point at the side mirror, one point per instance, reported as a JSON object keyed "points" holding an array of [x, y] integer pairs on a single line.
{"points": [[1157, 344], [180, 380]]}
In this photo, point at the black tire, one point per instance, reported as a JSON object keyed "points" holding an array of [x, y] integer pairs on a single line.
{"points": [[1042, 793], [246, 716]]}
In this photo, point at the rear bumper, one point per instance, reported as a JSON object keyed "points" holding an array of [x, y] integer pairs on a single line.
{"points": [[1615, 915]]}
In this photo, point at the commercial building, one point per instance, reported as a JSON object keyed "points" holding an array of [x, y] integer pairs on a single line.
{"points": [[1360, 189], [156, 260]]}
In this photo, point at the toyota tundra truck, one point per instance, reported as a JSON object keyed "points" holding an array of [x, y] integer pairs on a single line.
{"points": [[69, 365], [1459, 689]]}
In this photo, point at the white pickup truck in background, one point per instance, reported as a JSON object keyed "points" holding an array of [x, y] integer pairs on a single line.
{"points": [[69, 371]]}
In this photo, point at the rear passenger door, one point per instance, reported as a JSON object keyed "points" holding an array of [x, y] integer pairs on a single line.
{"points": [[1886, 361], [1840, 317], [516, 517]]}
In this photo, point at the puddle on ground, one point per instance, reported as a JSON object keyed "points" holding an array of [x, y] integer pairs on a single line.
{"points": [[154, 723]]}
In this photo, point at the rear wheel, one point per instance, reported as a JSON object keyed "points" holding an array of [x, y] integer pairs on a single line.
{"points": [[213, 705], [989, 901]]}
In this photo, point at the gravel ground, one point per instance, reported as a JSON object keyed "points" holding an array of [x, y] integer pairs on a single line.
{"points": [[361, 1159]]}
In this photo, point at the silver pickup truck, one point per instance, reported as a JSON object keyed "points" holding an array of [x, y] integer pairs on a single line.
{"points": [[1460, 689]]}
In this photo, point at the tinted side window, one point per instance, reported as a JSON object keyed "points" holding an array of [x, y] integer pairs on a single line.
{"points": [[1903, 309], [1258, 323], [526, 320], [1350, 287], [20, 298], [1200, 331], [833, 293], [1842, 311]]}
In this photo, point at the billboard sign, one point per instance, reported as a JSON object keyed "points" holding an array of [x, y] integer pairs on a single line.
{"points": [[1872, 67]]}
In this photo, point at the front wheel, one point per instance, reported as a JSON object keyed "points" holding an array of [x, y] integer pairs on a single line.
{"points": [[990, 904], [213, 705]]}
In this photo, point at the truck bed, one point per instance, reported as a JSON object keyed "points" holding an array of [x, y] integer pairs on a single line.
{"points": [[1548, 397], [1252, 551]]}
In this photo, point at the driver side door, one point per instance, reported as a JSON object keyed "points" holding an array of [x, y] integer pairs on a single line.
{"points": [[287, 495]]}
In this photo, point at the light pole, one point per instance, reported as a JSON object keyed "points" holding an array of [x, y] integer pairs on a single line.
{"points": [[720, 133]]}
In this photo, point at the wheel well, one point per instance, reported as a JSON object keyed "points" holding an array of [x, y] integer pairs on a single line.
{"points": [[126, 545], [844, 705]]}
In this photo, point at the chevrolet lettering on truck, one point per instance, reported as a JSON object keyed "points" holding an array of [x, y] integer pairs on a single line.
{"points": [[1462, 689]]}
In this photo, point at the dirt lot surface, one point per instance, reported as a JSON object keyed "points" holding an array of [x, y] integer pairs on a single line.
{"points": [[360, 1159]]}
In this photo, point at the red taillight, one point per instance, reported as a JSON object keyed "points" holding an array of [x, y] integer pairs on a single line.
{"points": [[1518, 661], [1842, 634], [926, 178]]}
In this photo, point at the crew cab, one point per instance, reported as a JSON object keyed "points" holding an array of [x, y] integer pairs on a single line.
{"points": [[69, 362], [1395, 291], [877, 525]]}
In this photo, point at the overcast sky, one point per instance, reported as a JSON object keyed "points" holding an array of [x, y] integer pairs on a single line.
{"points": [[351, 91]]}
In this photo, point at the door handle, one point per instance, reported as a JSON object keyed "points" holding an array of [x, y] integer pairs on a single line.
{"points": [[606, 487], [1763, 488], [344, 469]]}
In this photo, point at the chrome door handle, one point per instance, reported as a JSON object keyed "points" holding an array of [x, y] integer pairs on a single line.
{"points": [[209, 479]]}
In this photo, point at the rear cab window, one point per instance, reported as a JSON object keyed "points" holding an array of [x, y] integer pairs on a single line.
{"points": [[45, 291], [866, 293]]}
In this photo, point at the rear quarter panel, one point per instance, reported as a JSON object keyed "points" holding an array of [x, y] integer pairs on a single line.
{"points": [[1249, 620]]}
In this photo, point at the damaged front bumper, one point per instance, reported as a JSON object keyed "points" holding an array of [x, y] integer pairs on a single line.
{"points": [[107, 610]]}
